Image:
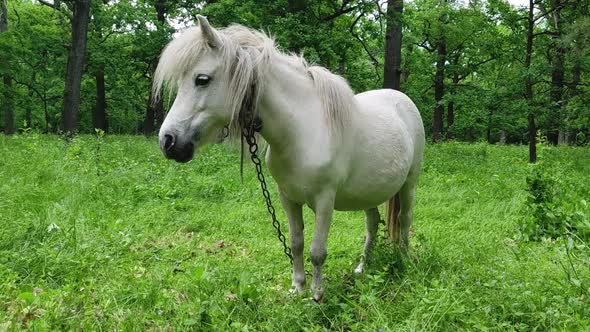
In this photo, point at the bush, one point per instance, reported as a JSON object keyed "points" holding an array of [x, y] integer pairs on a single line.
{"points": [[554, 207]]}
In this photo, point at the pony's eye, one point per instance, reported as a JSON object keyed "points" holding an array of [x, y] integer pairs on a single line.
{"points": [[202, 79]]}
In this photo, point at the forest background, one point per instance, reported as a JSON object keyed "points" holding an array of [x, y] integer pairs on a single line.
{"points": [[478, 70]]}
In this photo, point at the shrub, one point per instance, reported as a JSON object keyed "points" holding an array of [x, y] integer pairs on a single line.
{"points": [[554, 207]]}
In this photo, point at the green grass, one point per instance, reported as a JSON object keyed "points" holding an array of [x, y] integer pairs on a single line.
{"points": [[108, 235]]}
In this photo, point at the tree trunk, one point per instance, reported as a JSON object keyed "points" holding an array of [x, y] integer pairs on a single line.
{"points": [[7, 105], [392, 80], [489, 128], [295, 6], [29, 110], [557, 77], [450, 117], [576, 76], [451, 104], [439, 90], [557, 86], [159, 112], [75, 66], [148, 121], [393, 45], [7, 102], [154, 113], [561, 138], [342, 63], [99, 116], [573, 91], [451, 108], [439, 76], [528, 85]]}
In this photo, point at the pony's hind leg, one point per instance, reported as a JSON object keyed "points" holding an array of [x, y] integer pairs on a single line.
{"points": [[406, 195], [371, 223], [295, 216]]}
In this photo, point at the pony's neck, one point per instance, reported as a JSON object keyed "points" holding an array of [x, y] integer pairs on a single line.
{"points": [[290, 108]]}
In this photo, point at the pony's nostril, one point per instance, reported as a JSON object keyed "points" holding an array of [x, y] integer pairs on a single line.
{"points": [[168, 142]]}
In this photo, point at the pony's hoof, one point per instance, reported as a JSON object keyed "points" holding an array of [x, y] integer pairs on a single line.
{"points": [[359, 269], [298, 287], [295, 290], [318, 296]]}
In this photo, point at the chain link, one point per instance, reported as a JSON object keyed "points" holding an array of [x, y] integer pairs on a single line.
{"points": [[248, 133], [250, 124]]}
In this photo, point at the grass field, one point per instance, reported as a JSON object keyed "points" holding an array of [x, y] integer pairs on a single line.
{"points": [[105, 234]]}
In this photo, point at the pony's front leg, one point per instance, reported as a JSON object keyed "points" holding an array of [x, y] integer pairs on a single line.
{"points": [[295, 216], [324, 208]]}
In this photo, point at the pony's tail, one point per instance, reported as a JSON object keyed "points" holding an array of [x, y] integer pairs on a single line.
{"points": [[393, 226]]}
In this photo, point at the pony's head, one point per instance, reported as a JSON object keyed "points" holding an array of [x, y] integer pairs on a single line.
{"points": [[211, 72]]}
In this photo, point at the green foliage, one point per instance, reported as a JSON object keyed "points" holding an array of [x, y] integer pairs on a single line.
{"points": [[127, 240], [483, 72], [557, 206]]}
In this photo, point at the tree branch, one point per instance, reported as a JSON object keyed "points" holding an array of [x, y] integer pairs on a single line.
{"points": [[545, 33], [426, 90], [547, 12], [54, 5], [472, 66], [30, 86], [104, 39], [360, 40], [343, 10], [466, 85], [379, 9], [425, 46], [426, 33]]}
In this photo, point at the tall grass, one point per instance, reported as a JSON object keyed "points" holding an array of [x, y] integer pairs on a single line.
{"points": [[102, 233]]}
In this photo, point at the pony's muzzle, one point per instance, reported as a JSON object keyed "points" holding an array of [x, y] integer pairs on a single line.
{"points": [[168, 142], [173, 149]]}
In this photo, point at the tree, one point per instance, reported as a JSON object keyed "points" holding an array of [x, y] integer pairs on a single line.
{"points": [[7, 102], [557, 61], [154, 114], [393, 45], [528, 83], [392, 80], [80, 10], [439, 76], [99, 112], [461, 61], [39, 63], [434, 40], [577, 96], [99, 116], [75, 66]]}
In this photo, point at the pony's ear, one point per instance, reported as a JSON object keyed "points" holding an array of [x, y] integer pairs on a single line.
{"points": [[208, 31]]}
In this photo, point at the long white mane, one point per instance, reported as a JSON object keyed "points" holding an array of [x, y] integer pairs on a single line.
{"points": [[245, 54]]}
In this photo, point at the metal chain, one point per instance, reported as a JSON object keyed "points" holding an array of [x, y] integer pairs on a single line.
{"points": [[248, 134]]}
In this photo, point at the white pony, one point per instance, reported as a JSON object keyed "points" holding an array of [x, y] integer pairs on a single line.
{"points": [[328, 148]]}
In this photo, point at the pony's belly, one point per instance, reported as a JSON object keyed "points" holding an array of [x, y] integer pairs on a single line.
{"points": [[373, 178], [344, 201], [356, 204], [369, 185], [364, 197]]}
